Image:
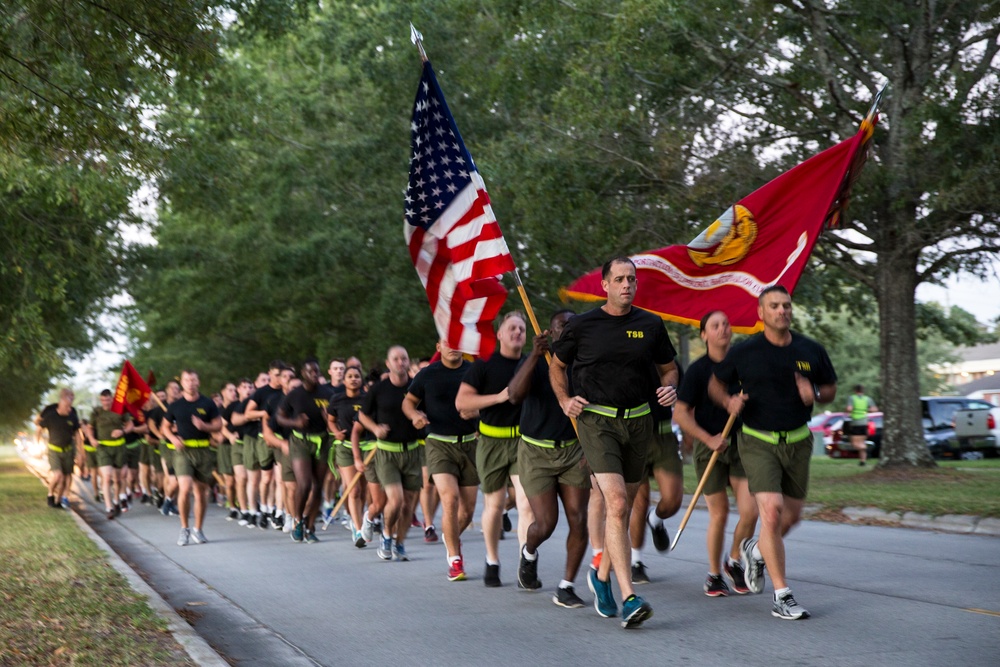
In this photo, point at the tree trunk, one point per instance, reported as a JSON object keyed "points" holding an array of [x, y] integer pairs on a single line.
{"points": [[902, 435]]}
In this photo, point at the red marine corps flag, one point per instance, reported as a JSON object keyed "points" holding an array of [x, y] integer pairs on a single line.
{"points": [[131, 393], [764, 239], [453, 237]]}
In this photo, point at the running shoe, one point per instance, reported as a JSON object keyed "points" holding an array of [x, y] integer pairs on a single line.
{"points": [[399, 551], [118, 510], [51, 500], [737, 580], [64, 503], [661, 540], [111, 514], [507, 525], [430, 534], [165, 507], [184, 538], [198, 536], [311, 537], [327, 511], [527, 573], [491, 576], [753, 568], [359, 539], [385, 548], [635, 611], [639, 575], [233, 515], [604, 598], [263, 521], [715, 587], [287, 528], [787, 608], [279, 522], [367, 529], [145, 499], [173, 508], [244, 519], [377, 524], [124, 503], [567, 597], [298, 532], [254, 520], [456, 570], [415, 523]]}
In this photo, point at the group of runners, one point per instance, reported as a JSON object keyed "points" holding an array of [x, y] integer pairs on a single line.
{"points": [[582, 420]]}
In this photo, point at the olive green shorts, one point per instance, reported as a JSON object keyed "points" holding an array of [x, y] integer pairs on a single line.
{"points": [[303, 448], [62, 461], [263, 454], [91, 458], [111, 456], [285, 461], [543, 468], [146, 450], [196, 463], [400, 468], [664, 453], [457, 459], [250, 452], [727, 465], [224, 459], [496, 461], [133, 454], [614, 445], [781, 468], [343, 455], [236, 452]]}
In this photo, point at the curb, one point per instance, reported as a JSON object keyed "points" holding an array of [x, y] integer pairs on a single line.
{"points": [[193, 643]]}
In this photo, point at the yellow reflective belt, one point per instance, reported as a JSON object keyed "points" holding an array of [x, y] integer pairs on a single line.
{"points": [[619, 413], [779, 437], [89, 448], [454, 439], [500, 432], [394, 446], [549, 444], [57, 448], [197, 444], [112, 443]]}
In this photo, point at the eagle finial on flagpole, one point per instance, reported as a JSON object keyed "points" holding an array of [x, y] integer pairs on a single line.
{"points": [[418, 39]]}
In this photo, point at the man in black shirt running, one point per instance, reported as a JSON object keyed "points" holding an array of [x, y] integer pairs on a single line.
{"points": [[612, 349], [781, 375]]}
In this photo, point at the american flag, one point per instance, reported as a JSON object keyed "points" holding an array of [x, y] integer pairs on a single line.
{"points": [[453, 237]]}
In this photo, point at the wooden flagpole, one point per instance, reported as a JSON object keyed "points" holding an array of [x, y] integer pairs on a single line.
{"points": [[350, 487], [701, 484]]}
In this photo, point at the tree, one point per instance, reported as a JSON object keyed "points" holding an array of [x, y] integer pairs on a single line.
{"points": [[802, 70]]}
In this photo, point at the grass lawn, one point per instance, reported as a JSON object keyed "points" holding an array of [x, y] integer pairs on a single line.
{"points": [[955, 487], [61, 602]]}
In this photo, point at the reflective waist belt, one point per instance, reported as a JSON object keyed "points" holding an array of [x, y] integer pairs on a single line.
{"points": [[112, 443], [394, 446], [780, 437], [549, 444], [502, 432], [664, 427], [57, 448], [364, 445], [89, 448], [315, 438], [169, 445], [454, 439], [197, 444], [619, 413], [133, 445], [238, 441]]}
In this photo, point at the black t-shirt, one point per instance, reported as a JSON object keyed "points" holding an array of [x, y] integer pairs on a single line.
{"points": [[766, 373], [261, 397], [345, 409], [662, 413], [612, 355], [491, 377], [153, 416], [311, 403], [541, 416], [694, 391], [61, 428], [179, 414], [436, 387], [274, 402], [384, 405]]}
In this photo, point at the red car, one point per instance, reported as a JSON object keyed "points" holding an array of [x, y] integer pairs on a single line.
{"points": [[826, 423], [840, 447]]}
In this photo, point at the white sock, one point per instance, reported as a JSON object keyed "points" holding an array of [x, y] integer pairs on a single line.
{"points": [[636, 556], [529, 557], [565, 584], [492, 562], [652, 519], [778, 592], [756, 552], [597, 552]]}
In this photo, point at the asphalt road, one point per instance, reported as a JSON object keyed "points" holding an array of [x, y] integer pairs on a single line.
{"points": [[885, 596]]}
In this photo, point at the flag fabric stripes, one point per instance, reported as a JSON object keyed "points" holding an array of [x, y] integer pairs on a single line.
{"points": [[131, 393], [453, 237]]}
